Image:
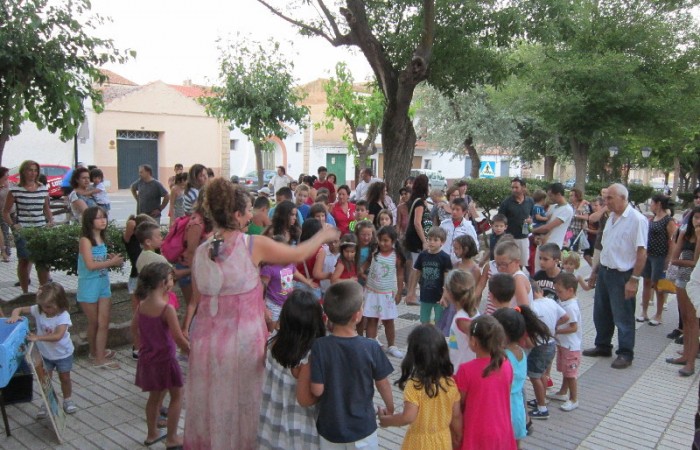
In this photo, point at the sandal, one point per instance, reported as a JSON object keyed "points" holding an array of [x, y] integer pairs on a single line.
{"points": [[109, 354], [160, 438], [109, 365], [676, 361], [685, 372], [162, 422]]}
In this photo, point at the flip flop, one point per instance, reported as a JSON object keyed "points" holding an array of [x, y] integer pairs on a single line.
{"points": [[160, 438], [675, 361], [109, 354], [110, 365]]}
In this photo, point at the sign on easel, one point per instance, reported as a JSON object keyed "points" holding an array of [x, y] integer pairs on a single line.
{"points": [[48, 395]]}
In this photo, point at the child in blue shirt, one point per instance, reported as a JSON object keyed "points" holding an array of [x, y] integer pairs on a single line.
{"points": [[539, 211], [345, 368]]}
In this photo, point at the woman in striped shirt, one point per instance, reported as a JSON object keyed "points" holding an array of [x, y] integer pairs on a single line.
{"points": [[31, 200]]}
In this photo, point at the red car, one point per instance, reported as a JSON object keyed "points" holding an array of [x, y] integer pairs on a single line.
{"points": [[54, 176]]}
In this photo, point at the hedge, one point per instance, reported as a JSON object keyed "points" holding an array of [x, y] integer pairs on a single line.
{"points": [[56, 248]]}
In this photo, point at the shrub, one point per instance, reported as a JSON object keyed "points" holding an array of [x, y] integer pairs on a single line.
{"points": [[533, 184], [686, 199], [56, 248], [639, 194], [488, 193]]}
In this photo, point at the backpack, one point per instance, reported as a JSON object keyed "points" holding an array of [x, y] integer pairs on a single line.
{"points": [[173, 245]]}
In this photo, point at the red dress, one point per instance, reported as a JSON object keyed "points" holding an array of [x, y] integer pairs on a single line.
{"points": [[487, 423], [342, 219]]}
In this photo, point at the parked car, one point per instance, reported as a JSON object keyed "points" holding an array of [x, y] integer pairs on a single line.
{"points": [[435, 178], [251, 179], [54, 176]]}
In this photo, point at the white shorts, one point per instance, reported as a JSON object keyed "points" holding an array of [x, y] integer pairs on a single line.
{"points": [[380, 305], [370, 442], [524, 246]]}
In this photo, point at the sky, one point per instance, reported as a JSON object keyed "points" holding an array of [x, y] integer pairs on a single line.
{"points": [[176, 40]]}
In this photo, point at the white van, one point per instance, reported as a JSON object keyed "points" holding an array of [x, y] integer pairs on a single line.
{"points": [[435, 178]]}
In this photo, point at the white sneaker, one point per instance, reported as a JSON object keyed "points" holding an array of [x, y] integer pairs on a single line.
{"points": [[41, 414], [69, 407], [569, 405], [395, 352], [379, 342], [558, 397]]}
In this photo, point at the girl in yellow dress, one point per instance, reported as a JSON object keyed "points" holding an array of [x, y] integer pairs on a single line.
{"points": [[431, 399]]}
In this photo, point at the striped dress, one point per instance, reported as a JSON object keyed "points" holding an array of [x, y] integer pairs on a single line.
{"points": [[30, 205]]}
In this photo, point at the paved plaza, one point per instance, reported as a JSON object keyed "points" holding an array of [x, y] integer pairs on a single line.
{"points": [[644, 407]]}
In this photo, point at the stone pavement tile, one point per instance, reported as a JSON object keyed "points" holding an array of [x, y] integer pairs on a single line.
{"points": [[125, 440], [604, 443], [11, 442], [101, 440], [36, 436], [539, 441]]}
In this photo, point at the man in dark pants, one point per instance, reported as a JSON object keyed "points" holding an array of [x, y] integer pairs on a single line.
{"points": [[517, 208], [617, 277]]}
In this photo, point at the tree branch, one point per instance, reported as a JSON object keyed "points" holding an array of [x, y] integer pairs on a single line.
{"points": [[304, 26], [331, 19]]}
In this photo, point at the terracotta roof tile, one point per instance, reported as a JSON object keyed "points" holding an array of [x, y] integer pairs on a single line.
{"points": [[114, 78], [192, 91]]}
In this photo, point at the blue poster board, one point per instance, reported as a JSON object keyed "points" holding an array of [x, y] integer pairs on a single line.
{"points": [[487, 169]]}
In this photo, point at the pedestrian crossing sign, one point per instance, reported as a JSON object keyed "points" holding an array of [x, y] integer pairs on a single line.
{"points": [[487, 169]]}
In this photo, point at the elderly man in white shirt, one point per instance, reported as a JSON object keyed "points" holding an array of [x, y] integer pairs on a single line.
{"points": [[621, 263]]}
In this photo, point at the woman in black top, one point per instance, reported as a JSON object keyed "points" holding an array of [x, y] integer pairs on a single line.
{"points": [[376, 195], [419, 224]]}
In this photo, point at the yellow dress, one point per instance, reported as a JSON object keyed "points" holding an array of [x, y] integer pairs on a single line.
{"points": [[431, 429]]}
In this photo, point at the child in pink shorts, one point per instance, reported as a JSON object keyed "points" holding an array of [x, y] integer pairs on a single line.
{"points": [[569, 337]]}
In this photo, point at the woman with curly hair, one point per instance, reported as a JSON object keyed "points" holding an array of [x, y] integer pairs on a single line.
{"points": [[228, 335]]}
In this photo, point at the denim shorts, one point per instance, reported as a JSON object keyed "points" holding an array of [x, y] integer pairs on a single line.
{"points": [[61, 365], [93, 289], [21, 246], [655, 268], [185, 281], [540, 358]]}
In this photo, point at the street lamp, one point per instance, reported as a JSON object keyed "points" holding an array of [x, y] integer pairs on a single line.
{"points": [[646, 152], [613, 151]]}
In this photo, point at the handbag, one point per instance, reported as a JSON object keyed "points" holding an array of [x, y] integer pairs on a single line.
{"points": [[665, 285]]}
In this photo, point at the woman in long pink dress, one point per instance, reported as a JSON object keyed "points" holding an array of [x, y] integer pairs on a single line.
{"points": [[228, 336]]}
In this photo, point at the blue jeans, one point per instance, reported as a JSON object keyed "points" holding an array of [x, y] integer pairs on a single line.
{"points": [[611, 309]]}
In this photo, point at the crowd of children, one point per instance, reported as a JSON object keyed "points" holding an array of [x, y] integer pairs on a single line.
{"points": [[321, 375]]}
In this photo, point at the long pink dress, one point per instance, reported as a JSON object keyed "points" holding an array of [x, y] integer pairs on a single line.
{"points": [[227, 350]]}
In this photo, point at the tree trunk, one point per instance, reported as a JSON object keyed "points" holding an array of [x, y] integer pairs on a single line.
{"points": [[398, 143], [549, 162], [579, 151], [676, 176], [259, 163], [473, 155]]}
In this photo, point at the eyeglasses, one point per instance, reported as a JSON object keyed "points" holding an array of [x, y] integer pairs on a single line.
{"points": [[503, 264]]}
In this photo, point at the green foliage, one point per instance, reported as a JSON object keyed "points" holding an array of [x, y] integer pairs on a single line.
{"points": [[489, 192], [606, 70], [533, 184], [56, 248], [593, 187], [256, 94], [686, 199], [50, 65], [638, 193], [450, 120], [356, 109]]}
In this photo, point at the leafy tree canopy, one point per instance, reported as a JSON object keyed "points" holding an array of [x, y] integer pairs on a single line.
{"points": [[49, 65], [358, 110], [256, 94]]}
